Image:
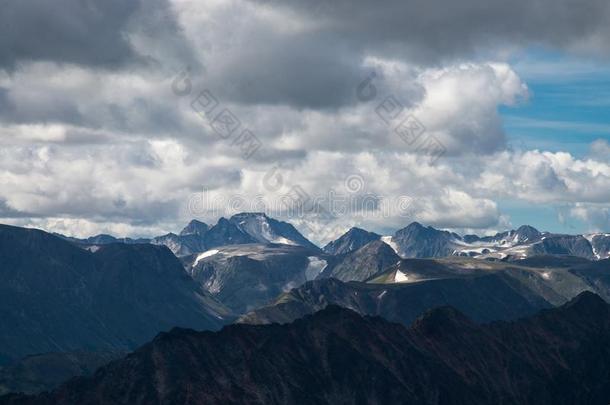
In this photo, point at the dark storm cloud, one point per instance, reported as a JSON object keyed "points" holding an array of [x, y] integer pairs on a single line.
{"points": [[302, 70], [320, 60], [74, 31], [433, 30]]}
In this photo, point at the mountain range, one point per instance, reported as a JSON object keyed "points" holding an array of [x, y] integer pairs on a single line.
{"points": [[559, 356], [412, 241], [64, 300], [418, 241], [197, 236], [483, 290]]}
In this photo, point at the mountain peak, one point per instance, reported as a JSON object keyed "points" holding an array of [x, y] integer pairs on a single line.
{"points": [[334, 312], [527, 228], [350, 241], [244, 215], [356, 230], [195, 227], [587, 301], [264, 229], [527, 233], [441, 320]]}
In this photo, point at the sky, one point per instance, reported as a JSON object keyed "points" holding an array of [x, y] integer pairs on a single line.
{"points": [[131, 118]]}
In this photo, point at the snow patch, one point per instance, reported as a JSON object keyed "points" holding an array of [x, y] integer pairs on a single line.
{"points": [[206, 254], [283, 241], [388, 241], [400, 277]]}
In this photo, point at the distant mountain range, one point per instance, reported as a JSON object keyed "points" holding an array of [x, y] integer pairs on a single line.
{"points": [[412, 241], [418, 241], [243, 228], [559, 356]]}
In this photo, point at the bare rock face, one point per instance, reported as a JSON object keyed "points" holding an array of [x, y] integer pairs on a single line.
{"points": [[244, 277]]}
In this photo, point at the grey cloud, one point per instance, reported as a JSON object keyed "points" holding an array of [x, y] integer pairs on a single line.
{"points": [[96, 33], [7, 211], [72, 31], [304, 71], [433, 30]]}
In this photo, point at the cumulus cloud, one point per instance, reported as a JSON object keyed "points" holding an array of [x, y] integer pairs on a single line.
{"points": [[596, 216], [600, 150], [93, 138]]}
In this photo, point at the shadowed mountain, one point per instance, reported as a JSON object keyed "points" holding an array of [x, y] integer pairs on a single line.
{"points": [[485, 298], [44, 372], [568, 245], [548, 277], [55, 296], [352, 240], [195, 228], [244, 277], [226, 232], [363, 263], [560, 356], [543, 261], [411, 286], [418, 241]]}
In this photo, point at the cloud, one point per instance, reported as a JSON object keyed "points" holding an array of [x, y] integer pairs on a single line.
{"points": [[600, 150], [435, 31], [66, 31], [595, 216], [93, 138], [101, 34]]}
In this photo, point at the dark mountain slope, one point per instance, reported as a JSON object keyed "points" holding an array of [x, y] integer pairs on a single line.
{"points": [[486, 298], [44, 372], [561, 356], [55, 296]]}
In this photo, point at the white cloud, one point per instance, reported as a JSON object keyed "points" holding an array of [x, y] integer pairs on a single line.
{"points": [[86, 150], [600, 150]]}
